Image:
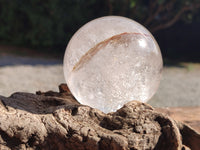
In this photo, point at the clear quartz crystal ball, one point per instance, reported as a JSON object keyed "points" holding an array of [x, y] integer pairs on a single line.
{"points": [[110, 61]]}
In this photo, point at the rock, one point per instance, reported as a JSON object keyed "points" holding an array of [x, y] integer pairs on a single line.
{"points": [[54, 120]]}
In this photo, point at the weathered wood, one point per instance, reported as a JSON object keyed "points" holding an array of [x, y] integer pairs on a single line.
{"points": [[54, 120], [187, 115]]}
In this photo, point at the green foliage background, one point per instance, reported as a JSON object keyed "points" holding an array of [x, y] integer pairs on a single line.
{"points": [[49, 24], [44, 23]]}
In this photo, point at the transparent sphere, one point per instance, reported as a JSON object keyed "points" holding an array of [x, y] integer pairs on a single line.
{"points": [[111, 61]]}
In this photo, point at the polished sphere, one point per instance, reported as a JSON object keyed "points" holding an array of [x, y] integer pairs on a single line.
{"points": [[111, 61]]}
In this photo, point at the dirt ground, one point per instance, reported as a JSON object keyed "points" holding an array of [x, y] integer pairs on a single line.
{"points": [[180, 85]]}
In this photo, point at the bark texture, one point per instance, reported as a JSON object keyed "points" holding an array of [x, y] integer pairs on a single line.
{"points": [[56, 121], [187, 115]]}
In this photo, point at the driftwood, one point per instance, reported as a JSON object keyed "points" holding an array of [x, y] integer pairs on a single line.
{"points": [[187, 115], [56, 121]]}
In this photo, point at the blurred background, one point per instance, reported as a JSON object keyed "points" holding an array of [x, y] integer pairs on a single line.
{"points": [[35, 33]]}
